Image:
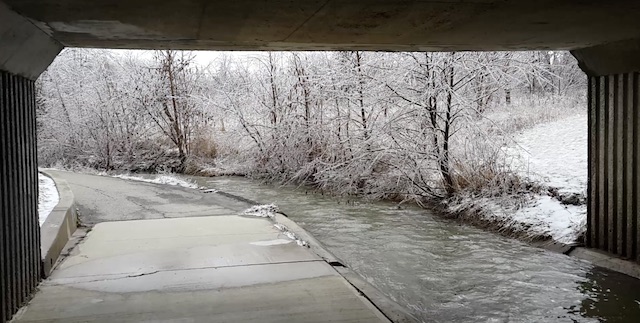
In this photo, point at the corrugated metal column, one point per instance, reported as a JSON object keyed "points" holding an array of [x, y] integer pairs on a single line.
{"points": [[25, 52], [19, 226], [614, 165]]}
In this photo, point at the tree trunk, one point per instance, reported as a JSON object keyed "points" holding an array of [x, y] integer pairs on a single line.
{"points": [[445, 163]]}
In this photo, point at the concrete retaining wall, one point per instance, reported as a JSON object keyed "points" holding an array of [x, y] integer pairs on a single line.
{"points": [[59, 226]]}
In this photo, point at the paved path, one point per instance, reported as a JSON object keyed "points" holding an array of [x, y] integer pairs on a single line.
{"points": [[211, 265], [101, 198]]}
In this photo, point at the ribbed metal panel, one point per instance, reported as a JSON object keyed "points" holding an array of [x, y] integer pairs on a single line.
{"points": [[19, 227], [614, 168]]}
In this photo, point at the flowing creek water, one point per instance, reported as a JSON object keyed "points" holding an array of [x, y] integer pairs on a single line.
{"points": [[443, 271]]}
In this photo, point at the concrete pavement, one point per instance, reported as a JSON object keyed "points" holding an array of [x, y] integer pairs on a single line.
{"points": [[102, 198], [206, 267]]}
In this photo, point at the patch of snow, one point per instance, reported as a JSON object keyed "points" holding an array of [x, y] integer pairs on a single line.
{"points": [[547, 216], [210, 190], [291, 235], [554, 154], [47, 197], [533, 217], [269, 211], [161, 179], [263, 211]]}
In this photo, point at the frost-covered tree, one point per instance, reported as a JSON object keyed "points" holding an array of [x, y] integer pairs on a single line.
{"points": [[384, 125], [167, 91]]}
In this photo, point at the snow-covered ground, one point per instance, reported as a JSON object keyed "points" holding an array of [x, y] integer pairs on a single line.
{"points": [[160, 179], [554, 154], [47, 197]]}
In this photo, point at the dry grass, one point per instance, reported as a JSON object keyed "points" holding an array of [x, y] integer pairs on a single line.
{"points": [[204, 146]]}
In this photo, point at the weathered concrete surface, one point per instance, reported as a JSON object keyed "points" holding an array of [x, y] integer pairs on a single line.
{"points": [[25, 49], [611, 58], [197, 269], [101, 198], [335, 24], [209, 264]]}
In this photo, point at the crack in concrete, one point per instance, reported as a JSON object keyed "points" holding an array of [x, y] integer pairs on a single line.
{"points": [[102, 192], [306, 20], [52, 282], [143, 274], [103, 279]]}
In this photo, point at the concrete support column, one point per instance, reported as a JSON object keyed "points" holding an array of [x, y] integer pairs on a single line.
{"points": [[25, 51], [614, 147], [19, 227], [613, 164]]}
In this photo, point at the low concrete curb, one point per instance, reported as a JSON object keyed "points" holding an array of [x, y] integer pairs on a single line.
{"points": [[314, 244], [608, 261], [596, 257], [59, 226]]}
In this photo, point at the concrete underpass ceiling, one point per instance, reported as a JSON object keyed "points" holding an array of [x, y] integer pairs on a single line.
{"points": [[334, 24]]}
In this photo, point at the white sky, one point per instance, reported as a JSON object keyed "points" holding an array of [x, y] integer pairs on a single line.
{"points": [[203, 58]]}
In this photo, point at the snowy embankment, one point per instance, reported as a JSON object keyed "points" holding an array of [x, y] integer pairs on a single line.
{"points": [[554, 154], [47, 197]]}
